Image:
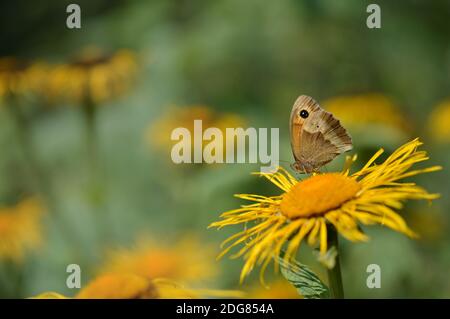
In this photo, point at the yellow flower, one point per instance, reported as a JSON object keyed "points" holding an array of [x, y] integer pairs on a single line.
{"points": [[93, 76], [430, 224], [369, 115], [360, 110], [131, 286], [169, 289], [187, 261], [155, 271], [19, 77], [20, 229], [279, 289], [305, 208], [158, 133], [49, 295], [119, 286], [439, 122]]}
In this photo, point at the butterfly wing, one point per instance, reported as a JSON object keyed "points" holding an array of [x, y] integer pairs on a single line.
{"points": [[317, 137]]}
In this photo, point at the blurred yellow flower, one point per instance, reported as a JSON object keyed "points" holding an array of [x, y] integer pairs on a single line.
{"points": [[369, 115], [439, 122], [430, 225], [131, 286], [306, 207], [168, 289], [152, 270], [92, 76], [19, 77], [119, 286], [279, 289], [20, 229], [159, 132], [49, 295], [186, 261]]}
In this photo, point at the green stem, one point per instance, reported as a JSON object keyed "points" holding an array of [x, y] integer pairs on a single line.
{"points": [[334, 274], [39, 178], [23, 134], [96, 188], [90, 114]]}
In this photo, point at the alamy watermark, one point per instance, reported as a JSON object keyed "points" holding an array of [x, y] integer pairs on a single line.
{"points": [[73, 20], [74, 278], [374, 278], [234, 145], [374, 19]]}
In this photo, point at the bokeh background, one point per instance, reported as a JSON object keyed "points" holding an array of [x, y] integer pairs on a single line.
{"points": [[86, 114]]}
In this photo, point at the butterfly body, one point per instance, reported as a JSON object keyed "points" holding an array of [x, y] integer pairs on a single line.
{"points": [[317, 137]]}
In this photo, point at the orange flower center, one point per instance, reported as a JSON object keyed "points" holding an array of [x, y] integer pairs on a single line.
{"points": [[318, 195]]}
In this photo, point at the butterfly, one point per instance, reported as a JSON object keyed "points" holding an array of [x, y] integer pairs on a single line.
{"points": [[317, 137]]}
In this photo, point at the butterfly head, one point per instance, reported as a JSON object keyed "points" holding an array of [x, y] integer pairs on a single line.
{"points": [[304, 167]]}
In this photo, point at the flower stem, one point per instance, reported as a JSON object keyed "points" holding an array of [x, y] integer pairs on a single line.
{"points": [[39, 178], [90, 115], [96, 187], [97, 183], [334, 274]]}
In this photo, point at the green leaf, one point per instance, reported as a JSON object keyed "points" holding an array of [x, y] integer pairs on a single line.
{"points": [[307, 283]]}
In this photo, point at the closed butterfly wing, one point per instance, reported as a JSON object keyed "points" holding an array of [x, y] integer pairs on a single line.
{"points": [[317, 137]]}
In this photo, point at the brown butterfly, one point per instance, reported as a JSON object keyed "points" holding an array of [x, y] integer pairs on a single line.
{"points": [[317, 137]]}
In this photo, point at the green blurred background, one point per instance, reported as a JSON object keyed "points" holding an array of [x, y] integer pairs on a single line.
{"points": [[247, 58]]}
